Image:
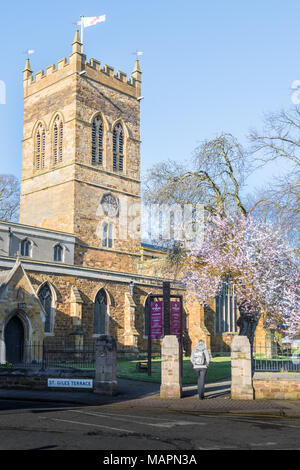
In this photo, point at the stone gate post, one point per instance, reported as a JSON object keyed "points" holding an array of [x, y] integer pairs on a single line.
{"points": [[171, 385], [106, 365], [241, 371]]}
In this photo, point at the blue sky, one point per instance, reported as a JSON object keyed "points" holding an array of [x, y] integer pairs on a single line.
{"points": [[208, 66]]}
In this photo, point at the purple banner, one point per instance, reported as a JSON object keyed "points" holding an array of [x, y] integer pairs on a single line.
{"points": [[175, 311], [156, 319]]}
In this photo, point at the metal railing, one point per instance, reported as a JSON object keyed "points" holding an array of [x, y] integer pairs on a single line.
{"points": [[58, 354], [276, 359]]}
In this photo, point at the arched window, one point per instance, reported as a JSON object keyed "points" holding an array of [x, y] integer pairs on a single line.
{"points": [[118, 148], [226, 309], [26, 247], [58, 253], [107, 235], [45, 297], [97, 141], [100, 313], [39, 148], [58, 131]]}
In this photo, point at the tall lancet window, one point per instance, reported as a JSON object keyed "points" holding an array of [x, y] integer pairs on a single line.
{"points": [[118, 148], [97, 141], [107, 235], [100, 313], [45, 297], [58, 135], [226, 309], [40, 145]]}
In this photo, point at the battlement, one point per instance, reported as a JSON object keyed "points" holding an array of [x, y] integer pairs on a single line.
{"points": [[110, 72], [34, 82], [78, 63]]}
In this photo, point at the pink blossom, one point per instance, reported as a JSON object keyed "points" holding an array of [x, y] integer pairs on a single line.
{"points": [[261, 264]]}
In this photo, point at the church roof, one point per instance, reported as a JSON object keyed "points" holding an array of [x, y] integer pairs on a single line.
{"points": [[7, 276]]}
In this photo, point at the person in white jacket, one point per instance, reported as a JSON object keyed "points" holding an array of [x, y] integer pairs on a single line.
{"points": [[200, 359]]}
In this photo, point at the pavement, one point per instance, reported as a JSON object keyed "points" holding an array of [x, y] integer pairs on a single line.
{"points": [[145, 395]]}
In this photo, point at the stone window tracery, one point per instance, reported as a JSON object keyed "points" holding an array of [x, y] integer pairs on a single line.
{"points": [[118, 148], [39, 147], [58, 135], [97, 141]]}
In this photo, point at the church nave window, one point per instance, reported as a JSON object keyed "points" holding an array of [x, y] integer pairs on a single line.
{"points": [[226, 309], [118, 148], [26, 247], [97, 141], [58, 253]]}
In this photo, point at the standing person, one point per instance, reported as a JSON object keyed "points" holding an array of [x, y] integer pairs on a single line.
{"points": [[200, 359]]}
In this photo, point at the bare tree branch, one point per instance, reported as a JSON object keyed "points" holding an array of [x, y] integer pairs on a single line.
{"points": [[215, 179], [9, 197]]}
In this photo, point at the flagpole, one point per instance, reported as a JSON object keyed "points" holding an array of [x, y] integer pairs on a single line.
{"points": [[82, 27]]}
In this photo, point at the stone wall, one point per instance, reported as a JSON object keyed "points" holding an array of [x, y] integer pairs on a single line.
{"points": [[37, 379], [276, 386]]}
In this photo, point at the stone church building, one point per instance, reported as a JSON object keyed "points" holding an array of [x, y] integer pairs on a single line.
{"points": [[73, 265]]}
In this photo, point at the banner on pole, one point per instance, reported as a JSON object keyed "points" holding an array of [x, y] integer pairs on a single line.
{"points": [[156, 310], [175, 314]]}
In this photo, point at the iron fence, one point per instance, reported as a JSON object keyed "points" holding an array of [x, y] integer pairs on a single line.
{"points": [[59, 354], [275, 359]]}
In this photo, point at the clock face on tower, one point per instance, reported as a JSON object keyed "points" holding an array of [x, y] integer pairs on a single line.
{"points": [[110, 205]]}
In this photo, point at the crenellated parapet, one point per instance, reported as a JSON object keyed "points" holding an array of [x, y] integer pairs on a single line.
{"points": [[78, 65], [119, 79]]}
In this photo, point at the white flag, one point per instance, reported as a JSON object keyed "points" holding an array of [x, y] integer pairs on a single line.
{"points": [[91, 20]]}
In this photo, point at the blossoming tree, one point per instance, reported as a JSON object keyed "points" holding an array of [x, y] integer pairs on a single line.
{"points": [[260, 264]]}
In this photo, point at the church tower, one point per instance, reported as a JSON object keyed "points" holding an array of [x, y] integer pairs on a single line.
{"points": [[81, 157]]}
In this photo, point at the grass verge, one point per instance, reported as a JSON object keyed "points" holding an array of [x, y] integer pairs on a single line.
{"points": [[219, 368]]}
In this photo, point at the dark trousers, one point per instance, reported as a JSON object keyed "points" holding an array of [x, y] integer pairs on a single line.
{"points": [[201, 381]]}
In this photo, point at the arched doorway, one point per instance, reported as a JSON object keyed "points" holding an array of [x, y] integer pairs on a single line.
{"points": [[14, 340]]}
